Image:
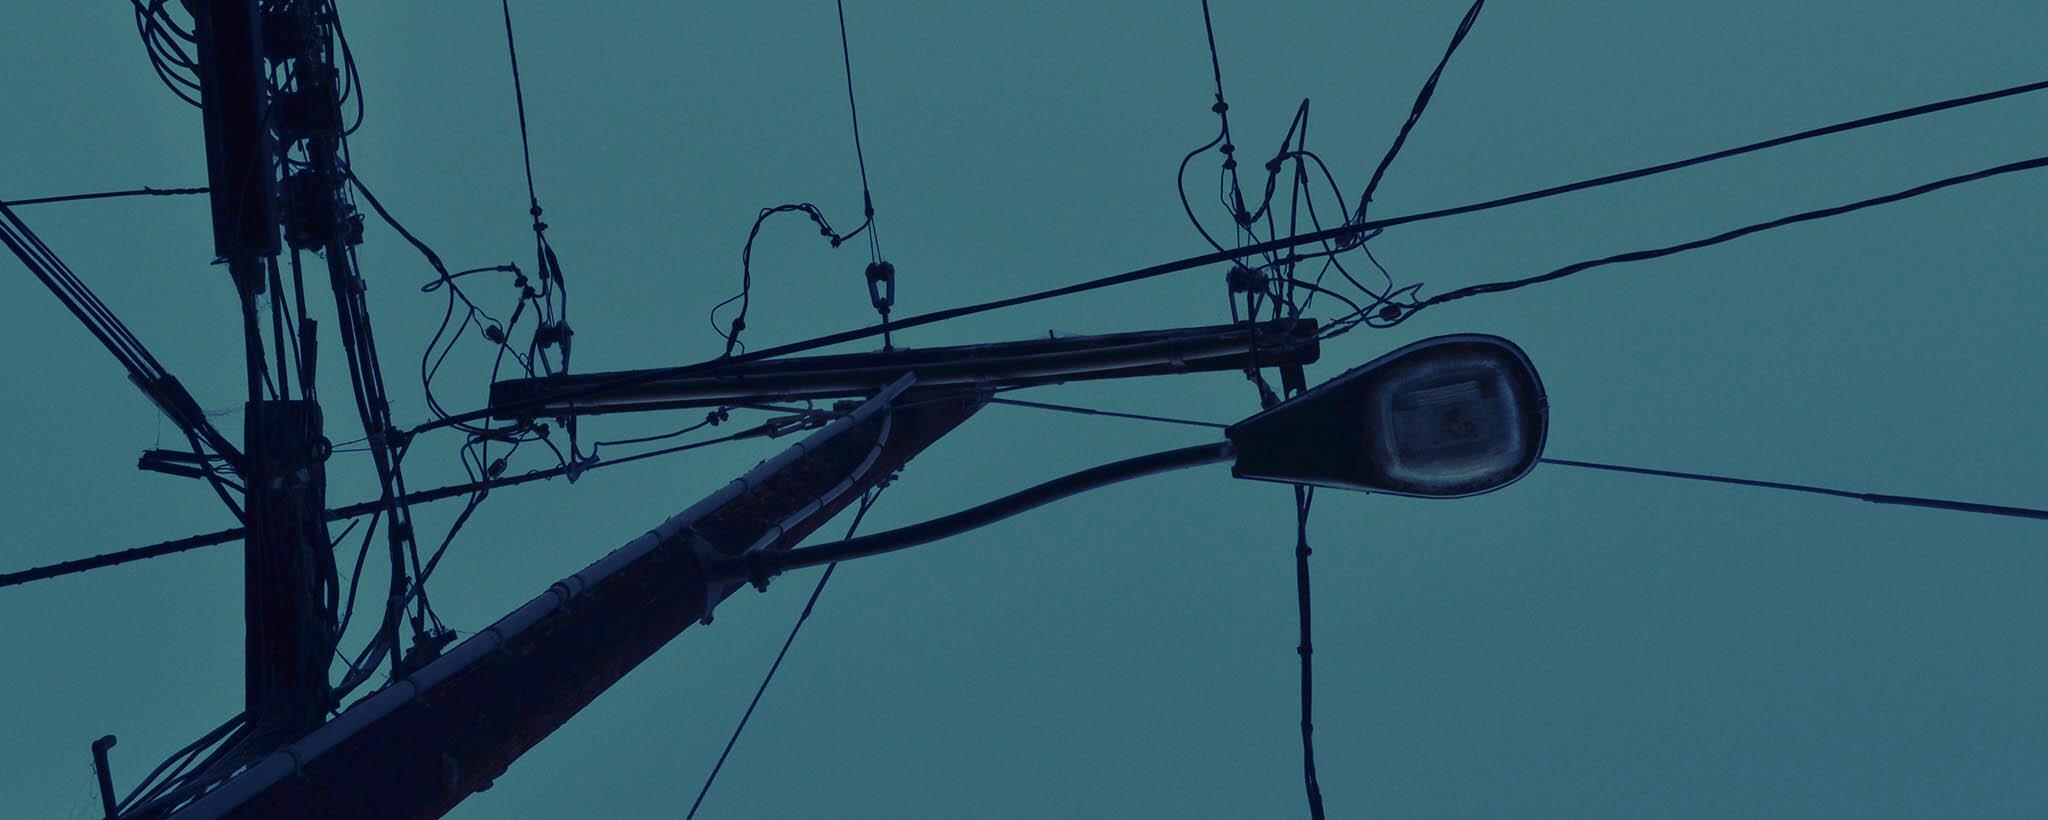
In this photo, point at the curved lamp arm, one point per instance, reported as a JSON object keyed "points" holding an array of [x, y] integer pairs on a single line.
{"points": [[759, 566]]}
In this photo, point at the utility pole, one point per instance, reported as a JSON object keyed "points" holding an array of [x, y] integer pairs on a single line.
{"points": [[288, 633], [421, 745]]}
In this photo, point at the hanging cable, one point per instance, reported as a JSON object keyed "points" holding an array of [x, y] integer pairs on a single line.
{"points": [[553, 329], [1303, 497], [374, 507], [880, 274], [46, 200], [1394, 314], [1068, 408], [1203, 260], [867, 500], [1874, 498], [1415, 113]]}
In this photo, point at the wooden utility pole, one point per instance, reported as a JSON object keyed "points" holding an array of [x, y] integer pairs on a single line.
{"points": [[421, 745]]}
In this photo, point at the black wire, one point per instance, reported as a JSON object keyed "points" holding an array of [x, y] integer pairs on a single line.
{"points": [[867, 500], [375, 507], [1356, 228], [352, 85], [160, 35], [746, 295], [547, 265], [1874, 498], [867, 199], [711, 418], [519, 97], [1725, 236], [1086, 411], [1421, 102], [1303, 497], [45, 200]]}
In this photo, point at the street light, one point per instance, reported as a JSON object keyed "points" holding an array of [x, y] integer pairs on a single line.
{"points": [[1445, 417]]}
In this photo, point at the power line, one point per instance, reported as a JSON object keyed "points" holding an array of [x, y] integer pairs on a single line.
{"points": [[1203, 260], [1304, 496], [519, 97], [880, 274], [1421, 102], [867, 199], [1402, 312], [1088, 411], [191, 542], [144, 191], [1874, 498], [865, 502]]}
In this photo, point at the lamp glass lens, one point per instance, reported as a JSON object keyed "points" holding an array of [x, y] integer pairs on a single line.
{"points": [[1451, 424]]}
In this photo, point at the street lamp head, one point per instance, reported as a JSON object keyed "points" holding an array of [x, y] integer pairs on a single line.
{"points": [[1444, 417]]}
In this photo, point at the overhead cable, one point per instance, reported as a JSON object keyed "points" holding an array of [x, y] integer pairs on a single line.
{"points": [[145, 191]]}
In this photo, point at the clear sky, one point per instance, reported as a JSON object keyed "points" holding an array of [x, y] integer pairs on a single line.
{"points": [[1578, 645]]}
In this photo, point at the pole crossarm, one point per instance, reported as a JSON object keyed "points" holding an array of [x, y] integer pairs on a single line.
{"points": [[1283, 342]]}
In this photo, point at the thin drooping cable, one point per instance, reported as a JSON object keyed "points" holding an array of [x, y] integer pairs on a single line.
{"points": [[1088, 411], [1203, 260], [554, 321], [867, 199], [878, 271], [1415, 113], [148, 374], [1402, 312], [867, 500], [1874, 498], [1235, 199], [1304, 496], [745, 297], [519, 98], [145, 191], [217, 537]]}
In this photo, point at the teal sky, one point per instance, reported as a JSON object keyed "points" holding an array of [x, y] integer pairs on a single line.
{"points": [[1578, 645]]}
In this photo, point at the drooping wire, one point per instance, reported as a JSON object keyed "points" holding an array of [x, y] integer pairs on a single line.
{"points": [[867, 198], [770, 429], [1336, 232], [878, 271], [1415, 112], [144, 191], [867, 500], [1874, 498], [165, 40], [1923, 502], [731, 333], [553, 329], [1396, 313], [142, 367], [1304, 496]]}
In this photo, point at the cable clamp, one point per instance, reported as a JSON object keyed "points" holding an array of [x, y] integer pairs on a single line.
{"points": [[1242, 279], [703, 556]]}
